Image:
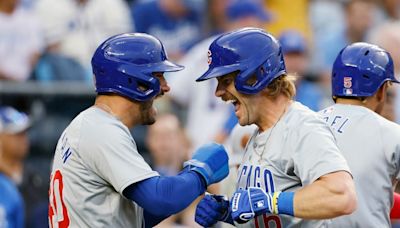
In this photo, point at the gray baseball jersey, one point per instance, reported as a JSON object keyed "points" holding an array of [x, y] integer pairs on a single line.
{"points": [[371, 146], [95, 160], [296, 152]]}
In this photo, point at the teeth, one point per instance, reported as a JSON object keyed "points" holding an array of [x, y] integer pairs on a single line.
{"points": [[231, 101]]}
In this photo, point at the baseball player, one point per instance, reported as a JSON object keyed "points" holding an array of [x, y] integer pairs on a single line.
{"points": [[361, 75], [98, 178], [292, 173]]}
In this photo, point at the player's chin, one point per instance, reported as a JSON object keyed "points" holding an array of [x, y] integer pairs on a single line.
{"points": [[243, 120], [149, 121]]}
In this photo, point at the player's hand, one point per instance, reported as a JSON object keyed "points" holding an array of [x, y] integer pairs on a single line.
{"points": [[247, 204], [211, 162], [211, 209]]}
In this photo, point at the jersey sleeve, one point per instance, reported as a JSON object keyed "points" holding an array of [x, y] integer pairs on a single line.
{"points": [[317, 154], [112, 154], [390, 137]]}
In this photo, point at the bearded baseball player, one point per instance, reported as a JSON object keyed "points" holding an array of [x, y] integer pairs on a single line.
{"points": [[98, 178], [361, 75], [292, 173]]}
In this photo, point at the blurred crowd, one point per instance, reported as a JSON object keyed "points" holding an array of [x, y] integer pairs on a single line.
{"points": [[46, 41]]}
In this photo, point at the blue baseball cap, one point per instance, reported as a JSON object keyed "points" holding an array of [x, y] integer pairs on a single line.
{"points": [[13, 121], [292, 41], [243, 8]]}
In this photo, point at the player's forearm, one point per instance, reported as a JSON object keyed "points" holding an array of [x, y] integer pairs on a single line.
{"points": [[330, 196], [163, 196]]}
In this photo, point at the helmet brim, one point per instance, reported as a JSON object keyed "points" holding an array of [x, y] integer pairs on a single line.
{"points": [[168, 66], [218, 72]]}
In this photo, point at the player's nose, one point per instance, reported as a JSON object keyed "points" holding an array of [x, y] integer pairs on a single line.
{"points": [[220, 90], [164, 85]]}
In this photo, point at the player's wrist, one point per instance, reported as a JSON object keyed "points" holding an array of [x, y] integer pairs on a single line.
{"points": [[282, 203], [201, 169], [227, 212]]}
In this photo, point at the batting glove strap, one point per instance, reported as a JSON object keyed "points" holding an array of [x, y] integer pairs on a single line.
{"points": [[225, 206], [201, 168]]}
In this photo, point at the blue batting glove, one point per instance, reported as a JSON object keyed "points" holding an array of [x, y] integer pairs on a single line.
{"points": [[211, 209], [247, 204], [211, 162]]}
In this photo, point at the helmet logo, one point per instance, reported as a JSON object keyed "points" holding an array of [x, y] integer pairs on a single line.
{"points": [[209, 58], [347, 83]]}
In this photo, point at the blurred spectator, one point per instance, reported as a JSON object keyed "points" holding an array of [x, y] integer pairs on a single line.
{"points": [[20, 41], [216, 16], [14, 142], [357, 20], [169, 148], [203, 108], [179, 24], [387, 36], [288, 14], [167, 144], [14, 146], [391, 9], [74, 28], [246, 13], [308, 90]]}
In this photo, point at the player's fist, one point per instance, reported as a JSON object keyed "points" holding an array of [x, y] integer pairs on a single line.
{"points": [[211, 162], [211, 209], [247, 204]]}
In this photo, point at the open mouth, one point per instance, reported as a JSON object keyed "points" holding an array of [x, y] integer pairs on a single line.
{"points": [[159, 95], [235, 103]]}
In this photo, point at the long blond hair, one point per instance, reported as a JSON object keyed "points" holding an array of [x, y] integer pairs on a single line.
{"points": [[283, 84]]}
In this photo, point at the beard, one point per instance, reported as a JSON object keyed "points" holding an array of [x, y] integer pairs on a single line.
{"points": [[147, 115]]}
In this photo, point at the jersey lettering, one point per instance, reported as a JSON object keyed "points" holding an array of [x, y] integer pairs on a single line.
{"points": [[337, 123], [268, 221], [256, 176], [65, 149], [58, 215]]}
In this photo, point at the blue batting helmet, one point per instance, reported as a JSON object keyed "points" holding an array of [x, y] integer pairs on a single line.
{"points": [[250, 51], [125, 63], [360, 70]]}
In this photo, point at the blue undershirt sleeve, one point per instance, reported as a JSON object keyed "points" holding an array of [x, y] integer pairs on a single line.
{"points": [[161, 196]]}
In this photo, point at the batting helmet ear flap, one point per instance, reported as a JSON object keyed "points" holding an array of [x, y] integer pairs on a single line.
{"points": [[264, 73], [139, 84]]}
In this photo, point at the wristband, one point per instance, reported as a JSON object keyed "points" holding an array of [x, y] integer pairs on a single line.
{"points": [[284, 203]]}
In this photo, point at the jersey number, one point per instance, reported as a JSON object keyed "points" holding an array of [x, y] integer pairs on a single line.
{"points": [[267, 219], [58, 216]]}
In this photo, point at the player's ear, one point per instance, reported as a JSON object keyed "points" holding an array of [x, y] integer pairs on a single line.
{"points": [[381, 93]]}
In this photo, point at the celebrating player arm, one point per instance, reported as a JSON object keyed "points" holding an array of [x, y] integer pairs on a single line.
{"points": [[330, 196], [161, 197]]}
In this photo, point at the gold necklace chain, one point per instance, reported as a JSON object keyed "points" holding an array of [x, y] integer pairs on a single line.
{"points": [[270, 133]]}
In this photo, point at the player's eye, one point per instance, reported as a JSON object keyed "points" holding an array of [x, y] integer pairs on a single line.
{"points": [[226, 81]]}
